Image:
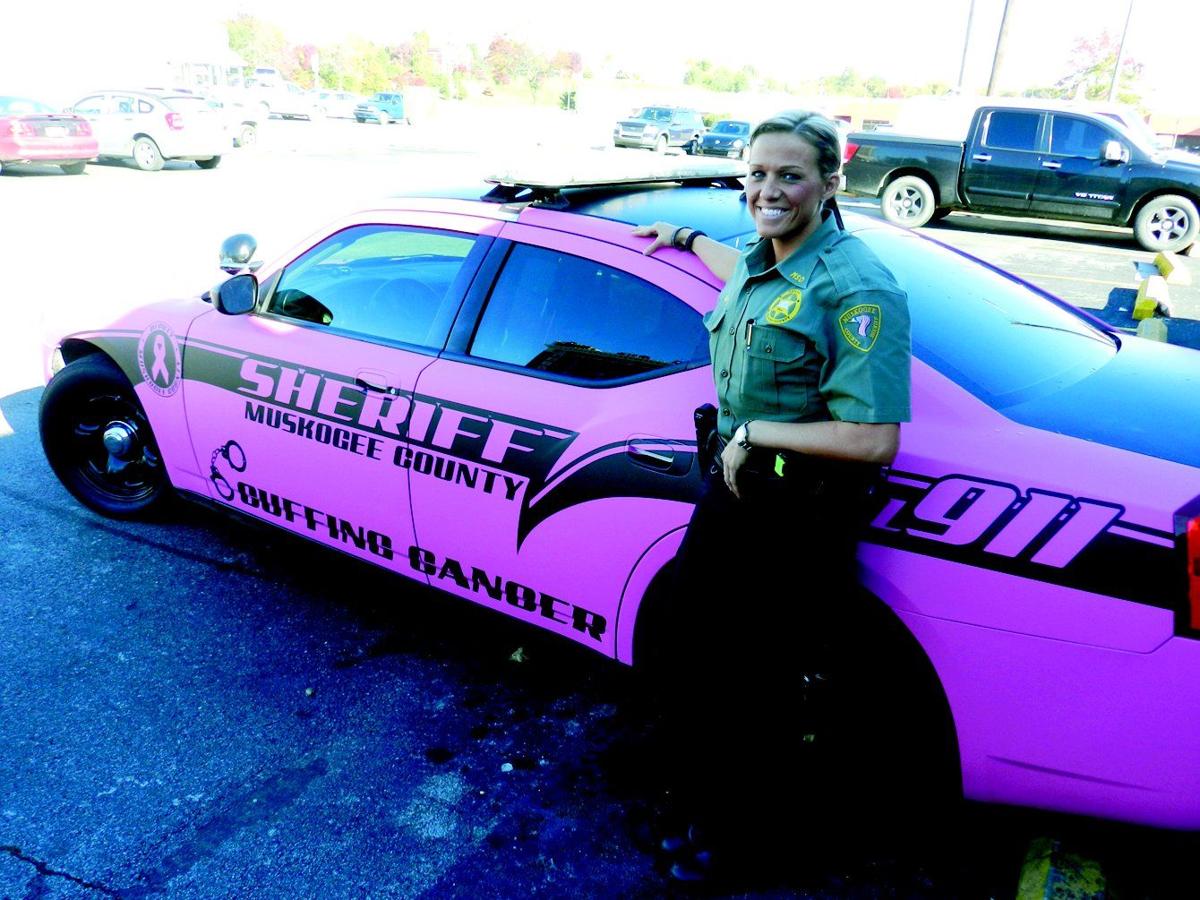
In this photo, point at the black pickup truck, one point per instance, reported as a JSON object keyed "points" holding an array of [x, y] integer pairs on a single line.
{"points": [[1027, 161]]}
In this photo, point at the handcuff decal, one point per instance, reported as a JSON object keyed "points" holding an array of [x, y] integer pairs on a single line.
{"points": [[233, 454]]}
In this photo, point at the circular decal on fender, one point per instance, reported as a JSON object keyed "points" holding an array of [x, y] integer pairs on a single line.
{"points": [[159, 359]]}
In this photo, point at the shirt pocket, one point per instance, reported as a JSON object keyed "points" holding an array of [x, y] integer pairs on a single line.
{"points": [[780, 375]]}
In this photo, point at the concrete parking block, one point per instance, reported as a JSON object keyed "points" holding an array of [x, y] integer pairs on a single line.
{"points": [[1153, 296], [1172, 268], [1154, 329], [1052, 873]]}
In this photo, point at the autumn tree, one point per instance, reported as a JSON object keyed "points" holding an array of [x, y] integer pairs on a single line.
{"points": [[1090, 71], [259, 43]]}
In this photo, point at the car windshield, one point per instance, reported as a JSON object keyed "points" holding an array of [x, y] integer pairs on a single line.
{"points": [[729, 127], [19, 106], [653, 114], [1002, 340], [1138, 130]]}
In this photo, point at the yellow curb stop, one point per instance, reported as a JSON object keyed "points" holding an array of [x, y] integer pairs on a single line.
{"points": [[1152, 296], [1050, 873], [1171, 268]]}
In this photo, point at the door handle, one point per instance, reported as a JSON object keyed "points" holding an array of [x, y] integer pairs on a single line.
{"points": [[652, 459], [982, 157], [369, 380], [1051, 164]]}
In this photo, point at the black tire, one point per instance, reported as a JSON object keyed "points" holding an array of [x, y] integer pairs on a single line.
{"points": [[98, 441], [940, 213], [1168, 223], [660, 145], [146, 155], [73, 168], [908, 201], [211, 163]]}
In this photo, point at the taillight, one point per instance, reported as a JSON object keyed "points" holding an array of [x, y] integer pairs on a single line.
{"points": [[21, 128], [84, 127], [1192, 541], [851, 149], [175, 121]]}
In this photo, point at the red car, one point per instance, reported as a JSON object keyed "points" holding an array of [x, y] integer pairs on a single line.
{"points": [[34, 132]]}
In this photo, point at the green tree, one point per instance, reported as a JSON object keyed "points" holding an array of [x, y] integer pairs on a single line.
{"points": [[1090, 71], [259, 43]]}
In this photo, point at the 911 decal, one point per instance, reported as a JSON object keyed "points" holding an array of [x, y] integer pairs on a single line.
{"points": [[1039, 534]]}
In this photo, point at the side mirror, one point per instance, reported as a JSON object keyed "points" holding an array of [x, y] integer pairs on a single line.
{"points": [[237, 296], [1114, 151], [237, 252]]}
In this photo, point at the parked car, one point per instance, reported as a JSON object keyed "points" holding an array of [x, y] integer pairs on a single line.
{"points": [[492, 393], [150, 127], [1046, 161], [383, 107], [659, 127], [31, 131], [242, 119], [336, 104], [284, 99], [728, 137]]}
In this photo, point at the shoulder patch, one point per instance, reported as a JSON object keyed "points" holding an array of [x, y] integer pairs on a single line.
{"points": [[785, 306], [861, 325]]}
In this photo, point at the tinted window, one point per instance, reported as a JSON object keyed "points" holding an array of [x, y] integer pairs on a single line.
{"points": [[90, 106], [727, 127], [1013, 130], [18, 106], [381, 281], [999, 339], [1077, 137], [654, 114], [574, 317]]}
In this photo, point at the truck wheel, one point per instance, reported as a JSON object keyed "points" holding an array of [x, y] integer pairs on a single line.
{"points": [[660, 145], [908, 202], [1167, 223], [940, 213], [98, 441]]}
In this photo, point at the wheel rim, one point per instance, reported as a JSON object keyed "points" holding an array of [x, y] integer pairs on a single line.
{"points": [[906, 203], [248, 137], [1169, 224], [110, 448], [143, 154]]}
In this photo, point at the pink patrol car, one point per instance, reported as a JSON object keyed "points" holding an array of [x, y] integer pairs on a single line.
{"points": [[493, 395]]}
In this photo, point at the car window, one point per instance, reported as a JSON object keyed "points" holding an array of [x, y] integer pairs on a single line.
{"points": [[1009, 130], [17, 106], [728, 127], [577, 318], [1077, 137], [653, 114], [123, 104], [380, 281], [90, 106], [999, 339]]}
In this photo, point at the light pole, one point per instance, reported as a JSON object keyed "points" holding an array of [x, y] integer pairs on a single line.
{"points": [[962, 69], [999, 54], [1112, 87]]}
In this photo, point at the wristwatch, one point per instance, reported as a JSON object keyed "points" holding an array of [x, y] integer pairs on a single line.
{"points": [[741, 437]]}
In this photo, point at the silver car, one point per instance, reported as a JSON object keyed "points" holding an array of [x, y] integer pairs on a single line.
{"points": [[150, 127]]}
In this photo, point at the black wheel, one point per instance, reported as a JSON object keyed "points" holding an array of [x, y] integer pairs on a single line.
{"points": [[146, 155], [98, 442], [908, 202], [660, 145], [1167, 223], [938, 214], [211, 163], [73, 168]]}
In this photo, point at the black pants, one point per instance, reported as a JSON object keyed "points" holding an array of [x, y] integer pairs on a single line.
{"points": [[764, 590]]}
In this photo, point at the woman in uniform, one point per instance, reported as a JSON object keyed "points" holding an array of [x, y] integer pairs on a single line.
{"points": [[811, 357]]}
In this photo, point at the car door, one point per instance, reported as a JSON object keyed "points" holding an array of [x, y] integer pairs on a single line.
{"points": [[1002, 163], [299, 408], [1075, 179], [565, 442]]}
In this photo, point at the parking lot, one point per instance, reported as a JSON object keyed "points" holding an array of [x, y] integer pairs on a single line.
{"points": [[219, 715]]}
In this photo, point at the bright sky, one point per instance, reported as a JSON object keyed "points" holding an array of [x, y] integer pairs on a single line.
{"points": [[794, 40]]}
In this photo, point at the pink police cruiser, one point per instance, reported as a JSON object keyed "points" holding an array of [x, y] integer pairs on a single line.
{"points": [[492, 393]]}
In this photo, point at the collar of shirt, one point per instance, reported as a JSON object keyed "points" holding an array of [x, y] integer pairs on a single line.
{"points": [[796, 268]]}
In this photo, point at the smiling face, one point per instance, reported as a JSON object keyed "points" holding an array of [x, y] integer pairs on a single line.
{"points": [[785, 190]]}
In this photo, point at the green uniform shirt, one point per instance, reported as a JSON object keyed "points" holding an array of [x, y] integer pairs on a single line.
{"points": [[820, 335]]}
